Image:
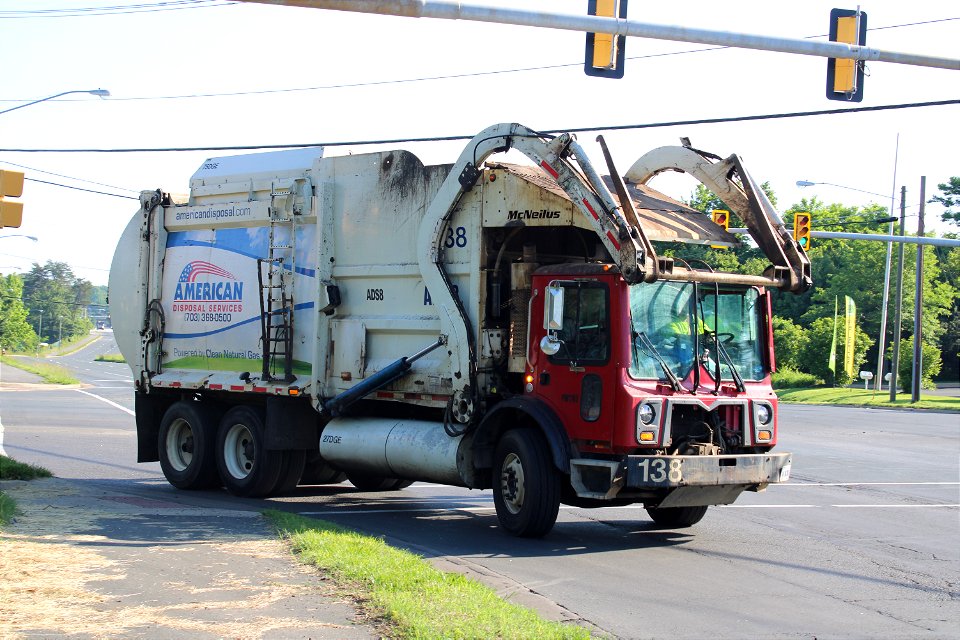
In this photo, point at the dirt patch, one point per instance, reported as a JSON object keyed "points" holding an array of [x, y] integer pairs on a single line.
{"points": [[77, 564]]}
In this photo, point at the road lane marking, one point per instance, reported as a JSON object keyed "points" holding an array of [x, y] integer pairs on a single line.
{"points": [[895, 506], [110, 402], [861, 484]]}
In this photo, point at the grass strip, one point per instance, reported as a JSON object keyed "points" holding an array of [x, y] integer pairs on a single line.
{"points": [[49, 372], [11, 469], [8, 508], [110, 357], [866, 398], [406, 592]]}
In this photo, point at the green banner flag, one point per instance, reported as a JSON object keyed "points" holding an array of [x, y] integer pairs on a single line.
{"points": [[832, 362], [850, 334]]}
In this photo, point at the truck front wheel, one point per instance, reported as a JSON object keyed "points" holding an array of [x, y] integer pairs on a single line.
{"points": [[246, 467], [186, 446], [676, 517], [526, 485]]}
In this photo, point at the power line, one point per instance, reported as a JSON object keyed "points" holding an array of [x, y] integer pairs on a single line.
{"points": [[60, 175], [66, 186], [358, 143], [83, 12]]}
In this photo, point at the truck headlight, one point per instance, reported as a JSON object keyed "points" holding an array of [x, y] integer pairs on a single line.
{"points": [[764, 414], [646, 413], [648, 422]]}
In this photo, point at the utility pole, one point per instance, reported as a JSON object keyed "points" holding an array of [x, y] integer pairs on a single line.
{"points": [[895, 364], [881, 343], [918, 304]]}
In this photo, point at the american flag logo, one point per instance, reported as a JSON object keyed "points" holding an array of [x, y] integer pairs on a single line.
{"points": [[199, 268]]}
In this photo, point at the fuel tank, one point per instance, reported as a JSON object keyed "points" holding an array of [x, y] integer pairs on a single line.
{"points": [[392, 448]]}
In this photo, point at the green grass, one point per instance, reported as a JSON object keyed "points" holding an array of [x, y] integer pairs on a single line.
{"points": [[109, 357], [49, 372], [10, 469], [401, 589], [787, 378], [8, 509], [865, 398]]}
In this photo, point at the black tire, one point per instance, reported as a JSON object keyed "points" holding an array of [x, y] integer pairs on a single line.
{"points": [[676, 517], [246, 467], [291, 470], [526, 485], [317, 471], [186, 443], [366, 482]]}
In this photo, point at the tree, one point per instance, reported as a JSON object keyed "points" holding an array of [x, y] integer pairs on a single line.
{"points": [[16, 334], [929, 364], [855, 268], [816, 357], [950, 200], [789, 342], [52, 292]]}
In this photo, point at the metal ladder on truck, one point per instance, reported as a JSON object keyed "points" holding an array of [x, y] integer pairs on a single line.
{"points": [[276, 296]]}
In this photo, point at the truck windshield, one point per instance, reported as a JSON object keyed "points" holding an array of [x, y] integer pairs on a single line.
{"points": [[666, 315]]}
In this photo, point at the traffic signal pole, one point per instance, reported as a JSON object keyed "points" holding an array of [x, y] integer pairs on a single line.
{"points": [[614, 26]]}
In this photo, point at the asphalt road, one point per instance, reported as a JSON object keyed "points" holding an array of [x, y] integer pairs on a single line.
{"points": [[863, 542]]}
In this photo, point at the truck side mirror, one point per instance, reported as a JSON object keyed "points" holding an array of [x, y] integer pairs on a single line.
{"points": [[553, 309], [552, 319]]}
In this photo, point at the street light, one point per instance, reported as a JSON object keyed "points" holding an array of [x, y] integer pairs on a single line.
{"points": [[100, 93], [886, 271]]}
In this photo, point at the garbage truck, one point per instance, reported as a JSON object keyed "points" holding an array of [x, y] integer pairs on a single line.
{"points": [[301, 319]]}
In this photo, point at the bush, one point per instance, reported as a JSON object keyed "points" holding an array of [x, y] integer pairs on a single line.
{"points": [[789, 341], [930, 363], [815, 358], [788, 378]]}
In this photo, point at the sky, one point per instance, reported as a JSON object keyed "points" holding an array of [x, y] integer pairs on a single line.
{"points": [[215, 73]]}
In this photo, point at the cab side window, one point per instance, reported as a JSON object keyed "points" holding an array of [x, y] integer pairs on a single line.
{"points": [[585, 336]]}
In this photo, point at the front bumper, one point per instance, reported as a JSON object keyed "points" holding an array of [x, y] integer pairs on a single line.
{"points": [[674, 481]]}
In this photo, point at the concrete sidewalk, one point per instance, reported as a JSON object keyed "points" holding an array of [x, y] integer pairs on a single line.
{"points": [[85, 560]]}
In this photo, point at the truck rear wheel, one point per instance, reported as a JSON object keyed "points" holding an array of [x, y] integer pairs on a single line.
{"points": [[317, 471], [366, 482], [246, 467], [526, 485], [186, 445], [291, 470], [676, 517]]}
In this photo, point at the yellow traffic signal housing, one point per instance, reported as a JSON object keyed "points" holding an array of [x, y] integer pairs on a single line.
{"points": [[720, 217], [604, 56], [845, 76], [11, 185], [801, 230]]}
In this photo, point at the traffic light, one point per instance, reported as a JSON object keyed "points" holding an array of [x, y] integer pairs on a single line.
{"points": [[845, 76], [605, 52], [801, 230], [11, 185], [720, 217]]}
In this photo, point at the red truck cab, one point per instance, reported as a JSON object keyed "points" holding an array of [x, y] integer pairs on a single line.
{"points": [[647, 377]]}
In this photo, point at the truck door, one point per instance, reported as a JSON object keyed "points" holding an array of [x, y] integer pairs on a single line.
{"points": [[576, 379]]}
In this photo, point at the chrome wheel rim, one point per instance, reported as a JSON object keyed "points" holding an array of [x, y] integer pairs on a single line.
{"points": [[239, 451], [512, 483], [180, 445]]}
